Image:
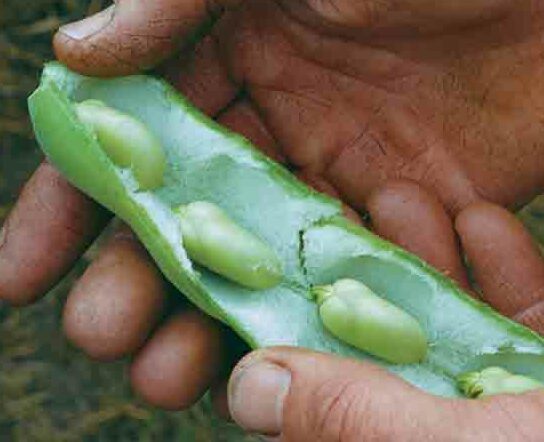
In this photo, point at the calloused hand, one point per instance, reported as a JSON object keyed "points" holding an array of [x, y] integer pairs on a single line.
{"points": [[423, 114]]}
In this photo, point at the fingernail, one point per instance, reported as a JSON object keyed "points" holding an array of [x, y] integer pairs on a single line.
{"points": [[89, 26], [256, 394]]}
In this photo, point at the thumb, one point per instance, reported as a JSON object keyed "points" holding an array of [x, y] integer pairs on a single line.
{"points": [[305, 396], [132, 35]]}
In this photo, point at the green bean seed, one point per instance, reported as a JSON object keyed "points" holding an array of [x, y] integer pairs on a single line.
{"points": [[215, 241], [495, 380], [127, 142], [357, 316]]}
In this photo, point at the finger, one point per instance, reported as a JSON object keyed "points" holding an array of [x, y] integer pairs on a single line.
{"points": [[201, 76], [406, 214], [507, 263], [533, 317], [180, 362], [116, 303], [242, 118], [322, 185], [49, 228], [307, 396], [131, 35]]}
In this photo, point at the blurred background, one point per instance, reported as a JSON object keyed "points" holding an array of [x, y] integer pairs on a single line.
{"points": [[48, 390]]}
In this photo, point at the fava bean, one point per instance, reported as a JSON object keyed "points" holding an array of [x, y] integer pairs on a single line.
{"points": [[357, 316], [215, 241], [495, 380], [126, 141]]}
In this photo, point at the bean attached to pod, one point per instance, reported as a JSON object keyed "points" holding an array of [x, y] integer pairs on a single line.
{"points": [[126, 141], [215, 241], [495, 380], [357, 316]]}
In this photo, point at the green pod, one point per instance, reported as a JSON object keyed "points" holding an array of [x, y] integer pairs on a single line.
{"points": [[306, 230], [126, 141], [495, 380], [357, 316], [215, 241]]}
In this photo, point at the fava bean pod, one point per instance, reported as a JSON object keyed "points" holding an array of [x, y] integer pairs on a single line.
{"points": [[312, 241]]}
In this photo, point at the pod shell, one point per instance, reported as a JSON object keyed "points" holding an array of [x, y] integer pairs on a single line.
{"points": [[495, 380], [357, 316], [204, 160], [126, 141], [215, 241]]}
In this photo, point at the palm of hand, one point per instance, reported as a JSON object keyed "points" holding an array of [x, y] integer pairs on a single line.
{"points": [[459, 113]]}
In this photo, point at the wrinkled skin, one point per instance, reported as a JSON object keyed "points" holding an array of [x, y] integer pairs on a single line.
{"points": [[427, 115]]}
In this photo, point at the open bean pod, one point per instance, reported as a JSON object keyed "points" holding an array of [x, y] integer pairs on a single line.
{"points": [[314, 243]]}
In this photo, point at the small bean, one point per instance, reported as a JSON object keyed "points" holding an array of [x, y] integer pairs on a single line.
{"points": [[495, 380], [126, 141], [215, 241], [357, 316]]}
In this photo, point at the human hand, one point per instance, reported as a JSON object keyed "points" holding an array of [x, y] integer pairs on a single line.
{"points": [[350, 99], [300, 395]]}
